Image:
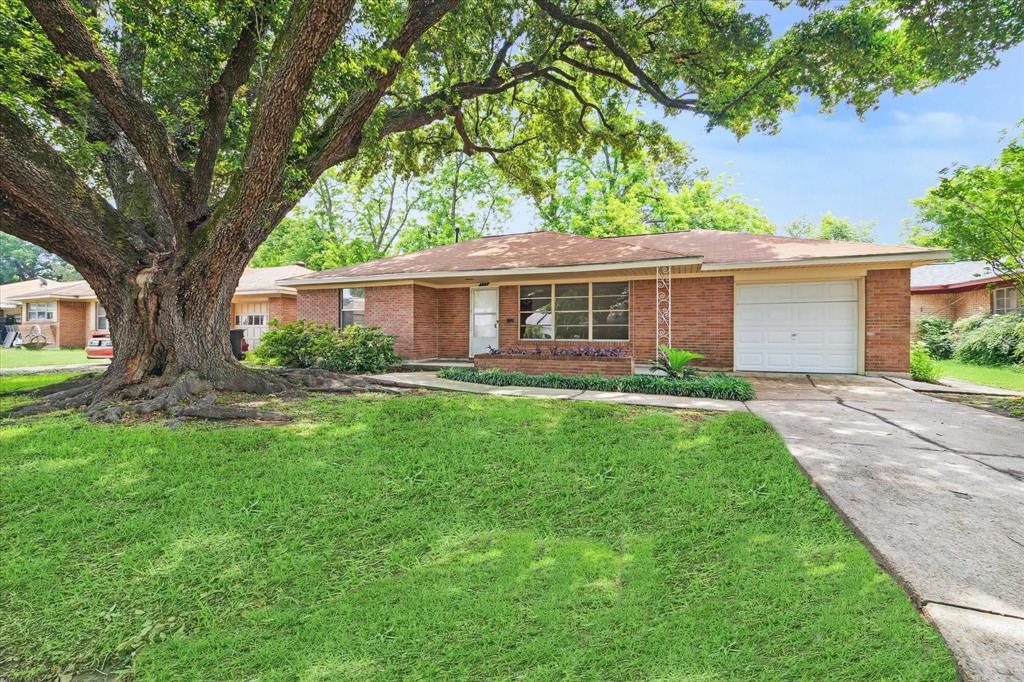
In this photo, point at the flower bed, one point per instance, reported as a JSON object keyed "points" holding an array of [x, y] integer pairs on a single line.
{"points": [[719, 386]]}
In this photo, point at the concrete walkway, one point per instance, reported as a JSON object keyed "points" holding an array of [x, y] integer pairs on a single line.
{"points": [[81, 367], [936, 491], [432, 381]]}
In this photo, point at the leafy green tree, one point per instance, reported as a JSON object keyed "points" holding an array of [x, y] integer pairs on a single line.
{"points": [[155, 146], [21, 260], [355, 219], [608, 195], [978, 212], [832, 228]]}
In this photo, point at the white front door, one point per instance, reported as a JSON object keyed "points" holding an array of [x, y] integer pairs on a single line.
{"points": [[797, 327], [252, 318], [483, 320]]}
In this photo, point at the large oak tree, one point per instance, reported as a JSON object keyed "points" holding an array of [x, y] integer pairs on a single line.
{"points": [[154, 144]]}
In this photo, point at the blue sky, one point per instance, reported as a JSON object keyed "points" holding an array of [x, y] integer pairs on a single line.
{"points": [[869, 168]]}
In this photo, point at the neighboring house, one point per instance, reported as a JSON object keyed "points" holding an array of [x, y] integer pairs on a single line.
{"points": [[12, 310], [746, 302], [957, 290], [68, 314]]}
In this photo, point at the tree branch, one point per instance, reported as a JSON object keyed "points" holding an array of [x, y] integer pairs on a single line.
{"points": [[47, 203], [218, 106], [623, 55], [140, 123]]}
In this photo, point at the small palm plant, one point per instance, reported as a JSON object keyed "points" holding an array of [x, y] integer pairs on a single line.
{"points": [[675, 362]]}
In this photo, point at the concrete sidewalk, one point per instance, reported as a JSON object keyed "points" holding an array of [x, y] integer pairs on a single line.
{"points": [[430, 380], [42, 369], [935, 489]]}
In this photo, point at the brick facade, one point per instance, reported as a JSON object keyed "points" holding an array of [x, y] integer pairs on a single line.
{"points": [[72, 324], [431, 322], [702, 319], [954, 305], [544, 364], [887, 321], [318, 305], [282, 309]]}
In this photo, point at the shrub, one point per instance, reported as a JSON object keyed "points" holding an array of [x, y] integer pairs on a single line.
{"points": [[305, 344], [366, 350], [936, 335], [719, 386], [922, 367], [675, 362], [990, 340]]}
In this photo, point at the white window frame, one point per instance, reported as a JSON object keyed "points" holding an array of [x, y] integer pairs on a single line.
{"points": [[1000, 302], [342, 309], [106, 320], [33, 310], [554, 313]]}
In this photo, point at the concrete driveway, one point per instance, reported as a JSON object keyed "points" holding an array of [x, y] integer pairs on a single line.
{"points": [[936, 491]]}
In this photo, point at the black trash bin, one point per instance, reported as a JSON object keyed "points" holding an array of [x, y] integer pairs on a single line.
{"points": [[236, 343]]}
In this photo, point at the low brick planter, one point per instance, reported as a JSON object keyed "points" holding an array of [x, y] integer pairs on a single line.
{"points": [[556, 364]]}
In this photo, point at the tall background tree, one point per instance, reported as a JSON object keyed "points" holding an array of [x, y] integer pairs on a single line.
{"points": [[978, 212], [21, 260], [832, 228], [155, 146], [649, 190]]}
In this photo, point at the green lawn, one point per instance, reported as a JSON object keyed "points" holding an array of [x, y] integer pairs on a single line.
{"points": [[438, 536], [20, 357], [1011, 377]]}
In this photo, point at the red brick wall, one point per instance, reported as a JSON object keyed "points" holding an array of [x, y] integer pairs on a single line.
{"points": [[47, 329], [453, 323], [424, 301], [390, 310], [283, 308], [643, 331], [702, 319], [317, 305], [971, 303], [72, 324], [559, 365], [931, 305], [887, 321]]}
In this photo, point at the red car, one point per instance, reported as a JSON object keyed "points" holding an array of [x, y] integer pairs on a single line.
{"points": [[100, 347]]}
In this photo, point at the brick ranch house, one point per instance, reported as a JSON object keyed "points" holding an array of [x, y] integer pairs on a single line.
{"points": [[746, 302], [67, 314], [957, 290]]}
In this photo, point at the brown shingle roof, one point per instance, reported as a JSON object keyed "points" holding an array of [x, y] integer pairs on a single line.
{"points": [[74, 290], [533, 250], [741, 247], [263, 280], [505, 252]]}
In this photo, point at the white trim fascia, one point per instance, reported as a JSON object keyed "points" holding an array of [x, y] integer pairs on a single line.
{"points": [[502, 272], [923, 256], [264, 292]]}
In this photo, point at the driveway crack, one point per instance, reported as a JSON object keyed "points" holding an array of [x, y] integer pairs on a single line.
{"points": [[945, 448], [1001, 614]]}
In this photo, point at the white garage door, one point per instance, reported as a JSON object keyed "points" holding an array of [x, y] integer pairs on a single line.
{"points": [[252, 317], [798, 327]]}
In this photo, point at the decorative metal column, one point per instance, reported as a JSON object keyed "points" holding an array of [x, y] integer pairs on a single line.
{"points": [[663, 306]]}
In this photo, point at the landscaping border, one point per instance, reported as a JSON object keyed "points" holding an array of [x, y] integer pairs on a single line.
{"points": [[720, 386]]}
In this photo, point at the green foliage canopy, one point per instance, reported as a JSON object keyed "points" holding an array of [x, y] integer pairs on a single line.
{"points": [[978, 212]]}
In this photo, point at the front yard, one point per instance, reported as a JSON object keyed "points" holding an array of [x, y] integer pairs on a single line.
{"points": [[437, 536], [1007, 376], [11, 358]]}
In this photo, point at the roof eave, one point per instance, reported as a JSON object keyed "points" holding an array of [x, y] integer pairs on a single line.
{"points": [[495, 272], [914, 258]]}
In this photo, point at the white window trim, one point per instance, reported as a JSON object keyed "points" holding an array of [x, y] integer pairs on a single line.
{"points": [[590, 314], [51, 306], [342, 309], [1005, 292]]}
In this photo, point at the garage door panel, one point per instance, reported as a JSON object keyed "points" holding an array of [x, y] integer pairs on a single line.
{"points": [[798, 327]]}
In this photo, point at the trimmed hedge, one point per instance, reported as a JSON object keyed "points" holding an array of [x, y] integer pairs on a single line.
{"points": [[719, 386]]}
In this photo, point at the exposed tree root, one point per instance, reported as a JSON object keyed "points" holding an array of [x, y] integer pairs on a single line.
{"points": [[107, 398]]}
